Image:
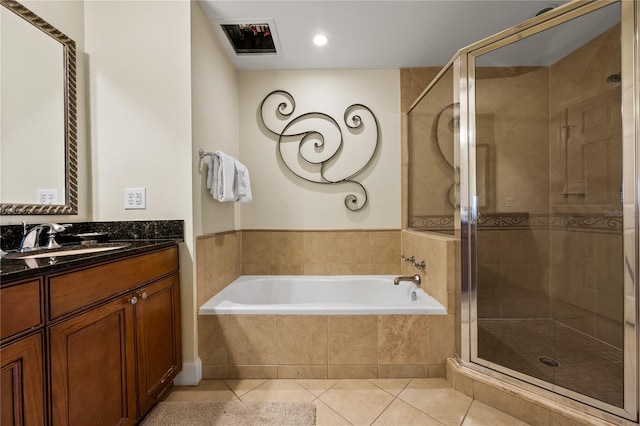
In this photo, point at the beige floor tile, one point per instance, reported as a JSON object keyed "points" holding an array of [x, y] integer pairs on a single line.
{"points": [[481, 414], [282, 390], [325, 416], [437, 398], [206, 391], [393, 386], [358, 401], [240, 387], [317, 386], [400, 413]]}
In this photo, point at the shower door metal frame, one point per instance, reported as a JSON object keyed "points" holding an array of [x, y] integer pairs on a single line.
{"points": [[465, 92]]}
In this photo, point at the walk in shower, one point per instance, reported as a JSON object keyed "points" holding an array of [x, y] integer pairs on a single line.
{"points": [[530, 140]]}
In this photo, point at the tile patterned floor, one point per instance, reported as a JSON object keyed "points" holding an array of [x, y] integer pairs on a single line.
{"points": [[378, 402], [587, 365]]}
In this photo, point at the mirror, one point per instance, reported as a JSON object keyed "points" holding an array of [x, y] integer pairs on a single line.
{"points": [[38, 147]]}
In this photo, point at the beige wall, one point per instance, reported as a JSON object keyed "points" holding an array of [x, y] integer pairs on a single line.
{"points": [[284, 201], [68, 17], [140, 103], [214, 102], [140, 97]]}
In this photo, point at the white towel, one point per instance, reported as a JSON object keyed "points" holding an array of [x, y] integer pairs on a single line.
{"points": [[208, 160], [224, 176], [243, 183]]}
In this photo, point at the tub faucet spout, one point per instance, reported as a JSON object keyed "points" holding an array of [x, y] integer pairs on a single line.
{"points": [[414, 279]]}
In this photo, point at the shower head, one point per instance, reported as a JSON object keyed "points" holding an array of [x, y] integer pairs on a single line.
{"points": [[615, 79]]}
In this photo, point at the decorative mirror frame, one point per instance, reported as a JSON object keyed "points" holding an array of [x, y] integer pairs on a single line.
{"points": [[70, 112]]}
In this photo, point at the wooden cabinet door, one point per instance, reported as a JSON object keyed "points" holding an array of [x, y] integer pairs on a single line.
{"points": [[92, 358], [158, 339], [22, 382]]}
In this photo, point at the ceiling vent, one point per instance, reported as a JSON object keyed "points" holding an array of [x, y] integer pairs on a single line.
{"points": [[251, 36]]}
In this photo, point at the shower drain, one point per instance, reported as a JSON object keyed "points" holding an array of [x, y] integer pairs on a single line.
{"points": [[550, 362]]}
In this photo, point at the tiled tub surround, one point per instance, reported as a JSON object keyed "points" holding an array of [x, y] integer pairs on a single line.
{"points": [[321, 346], [223, 257], [358, 252]]}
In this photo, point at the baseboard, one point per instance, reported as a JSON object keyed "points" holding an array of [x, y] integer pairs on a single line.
{"points": [[190, 375]]}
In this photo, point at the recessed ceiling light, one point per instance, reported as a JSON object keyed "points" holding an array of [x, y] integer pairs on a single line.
{"points": [[320, 40]]}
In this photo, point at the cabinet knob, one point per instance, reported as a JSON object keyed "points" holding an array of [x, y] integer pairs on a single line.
{"points": [[143, 295], [133, 300]]}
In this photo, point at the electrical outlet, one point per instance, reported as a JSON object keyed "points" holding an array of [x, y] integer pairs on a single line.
{"points": [[47, 196], [135, 198], [508, 202]]}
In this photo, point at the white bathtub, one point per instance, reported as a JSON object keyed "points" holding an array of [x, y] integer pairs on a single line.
{"points": [[321, 295]]}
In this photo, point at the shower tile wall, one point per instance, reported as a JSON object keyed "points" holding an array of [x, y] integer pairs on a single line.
{"points": [[413, 82], [513, 247], [565, 262], [513, 273], [586, 261], [513, 109], [549, 255]]}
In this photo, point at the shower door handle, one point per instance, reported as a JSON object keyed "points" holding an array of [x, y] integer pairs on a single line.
{"points": [[474, 209]]}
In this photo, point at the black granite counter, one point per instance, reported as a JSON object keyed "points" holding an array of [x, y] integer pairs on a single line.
{"points": [[135, 237]]}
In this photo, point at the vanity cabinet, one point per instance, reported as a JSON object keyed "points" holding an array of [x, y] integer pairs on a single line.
{"points": [[104, 338], [159, 356], [92, 361], [22, 380]]}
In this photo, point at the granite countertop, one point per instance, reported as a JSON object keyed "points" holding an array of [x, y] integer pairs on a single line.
{"points": [[135, 237], [14, 269]]}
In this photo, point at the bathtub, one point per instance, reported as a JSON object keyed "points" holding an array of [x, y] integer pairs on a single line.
{"points": [[321, 295]]}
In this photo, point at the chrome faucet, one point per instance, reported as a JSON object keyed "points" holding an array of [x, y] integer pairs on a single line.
{"points": [[414, 279], [31, 238]]}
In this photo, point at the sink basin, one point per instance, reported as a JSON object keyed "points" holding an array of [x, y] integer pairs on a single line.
{"points": [[67, 251]]}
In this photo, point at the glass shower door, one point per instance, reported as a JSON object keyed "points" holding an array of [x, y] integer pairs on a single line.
{"points": [[547, 186]]}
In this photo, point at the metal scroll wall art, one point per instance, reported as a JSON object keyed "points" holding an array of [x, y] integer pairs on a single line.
{"points": [[312, 145]]}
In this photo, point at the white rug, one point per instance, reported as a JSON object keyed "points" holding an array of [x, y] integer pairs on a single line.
{"points": [[234, 413]]}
